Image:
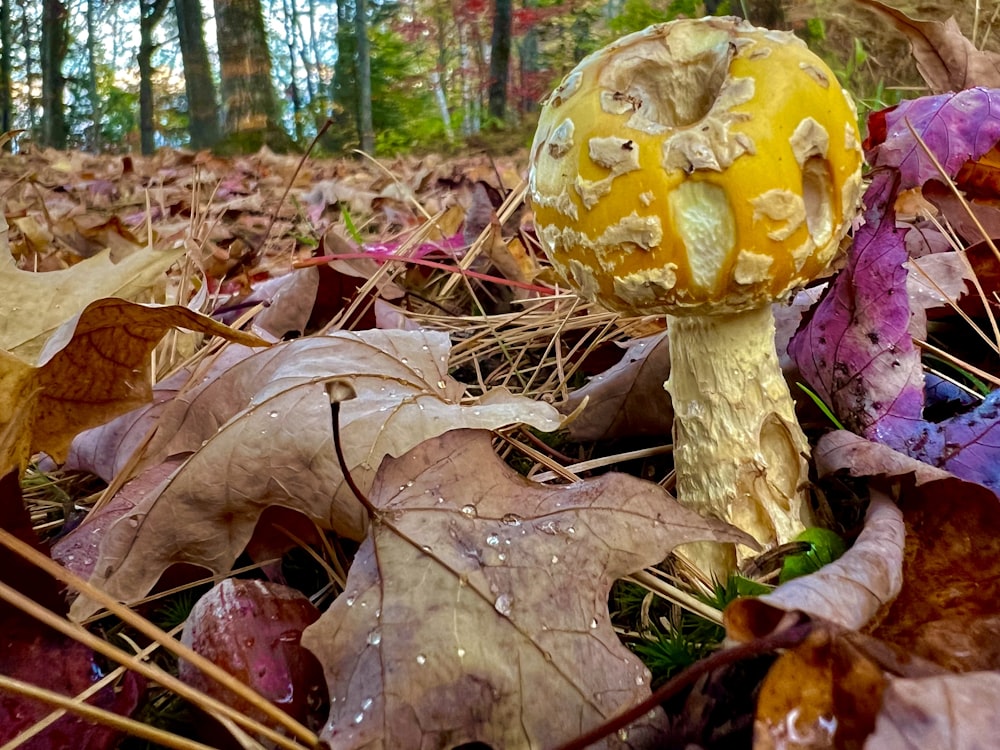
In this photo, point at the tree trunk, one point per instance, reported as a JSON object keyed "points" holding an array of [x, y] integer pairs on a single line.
{"points": [[366, 130], [6, 102], [503, 20], [150, 13], [29, 69], [530, 68], [94, 141], [203, 110], [248, 100], [55, 41]]}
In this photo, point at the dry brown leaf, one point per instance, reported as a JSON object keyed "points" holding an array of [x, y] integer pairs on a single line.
{"points": [[93, 368], [947, 61], [33, 305], [260, 434], [947, 610], [628, 399], [950, 712], [288, 301], [843, 450], [848, 591], [106, 450], [823, 693], [935, 281], [476, 609]]}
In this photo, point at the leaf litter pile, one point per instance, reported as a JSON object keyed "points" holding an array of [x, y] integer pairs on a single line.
{"points": [[303, 454]]}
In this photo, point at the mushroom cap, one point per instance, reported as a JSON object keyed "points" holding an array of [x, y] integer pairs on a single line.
{"points": [[697, 166]]}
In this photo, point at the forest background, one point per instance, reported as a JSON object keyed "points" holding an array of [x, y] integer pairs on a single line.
{"points": [[380, 75]]}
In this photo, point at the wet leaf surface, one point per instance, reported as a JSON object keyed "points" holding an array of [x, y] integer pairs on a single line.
{"points": [[476, 609], [260, 434]]}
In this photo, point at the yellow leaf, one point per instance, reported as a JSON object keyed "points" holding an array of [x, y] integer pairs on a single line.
{"points": [[33, 305], [93, 368]]}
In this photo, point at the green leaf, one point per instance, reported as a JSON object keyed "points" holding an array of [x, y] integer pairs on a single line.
{"points": [[827, 546]]}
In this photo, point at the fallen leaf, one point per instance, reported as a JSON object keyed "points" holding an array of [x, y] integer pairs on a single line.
{"points": [[252, 630], [848, 592], [79, 549], [476, 609], [260, 433], [842, 450], [111, 341], [107, 449], [959, 712], [946, 60], [952, 576], [33, 305], [856, 351], [955, 128], [823, 693], [946, 610], [628, 399], [35, 654]]}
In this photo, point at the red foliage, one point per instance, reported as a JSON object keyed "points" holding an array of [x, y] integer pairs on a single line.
{"points": [[527, 18]]}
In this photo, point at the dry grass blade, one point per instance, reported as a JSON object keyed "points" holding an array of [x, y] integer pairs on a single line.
{"points": [[147, 628], [100, 716], [511, 202], [597, 463], [982, 374], [672, 594]]}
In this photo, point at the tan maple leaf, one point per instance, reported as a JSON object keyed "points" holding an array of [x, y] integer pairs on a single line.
{"points": [[260, 433], [476, 609]]}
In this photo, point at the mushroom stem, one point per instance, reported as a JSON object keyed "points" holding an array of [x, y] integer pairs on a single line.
{"points": [[739, 452]]}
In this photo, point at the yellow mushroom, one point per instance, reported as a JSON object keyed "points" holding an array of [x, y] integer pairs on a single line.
{"points": [[705, 169]]}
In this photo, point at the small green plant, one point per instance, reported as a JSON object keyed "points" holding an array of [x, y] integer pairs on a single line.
{"points": [[822, 405], [672, 639], [825, 547]]}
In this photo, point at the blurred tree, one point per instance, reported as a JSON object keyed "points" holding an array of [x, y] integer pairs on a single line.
{"points": [[503, 23], [94, 132], [150, 14], [249, 105], [203, 110], [362, 66], [29, 76], [55, 42], [6, 101]]}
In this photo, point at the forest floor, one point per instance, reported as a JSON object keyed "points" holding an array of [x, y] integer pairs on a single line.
{"points": [[344, 420]]}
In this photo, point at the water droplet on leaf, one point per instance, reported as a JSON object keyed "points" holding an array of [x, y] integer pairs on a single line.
{"points": [[502, 604]]}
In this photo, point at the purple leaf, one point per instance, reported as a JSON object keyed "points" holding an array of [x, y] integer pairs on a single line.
{"points": [[955, 127], [856, 351], [967, 445]]}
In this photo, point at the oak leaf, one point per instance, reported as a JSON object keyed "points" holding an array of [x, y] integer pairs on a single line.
{"points": [[476, 608], [947, 61]]}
